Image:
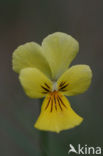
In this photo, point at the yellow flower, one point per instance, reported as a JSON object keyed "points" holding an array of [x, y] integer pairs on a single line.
{"points": [[43, 72]]}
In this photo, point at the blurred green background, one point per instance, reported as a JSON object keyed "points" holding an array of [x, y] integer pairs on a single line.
{"points": [[31, 20]]}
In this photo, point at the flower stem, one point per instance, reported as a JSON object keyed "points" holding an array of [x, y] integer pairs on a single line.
{"points": [[44, 142]]}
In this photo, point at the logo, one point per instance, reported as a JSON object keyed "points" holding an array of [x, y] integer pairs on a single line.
{"points": [[87, 150]]}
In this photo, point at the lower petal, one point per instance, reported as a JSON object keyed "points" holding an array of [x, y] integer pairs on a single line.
{"points": [[56, 114]]}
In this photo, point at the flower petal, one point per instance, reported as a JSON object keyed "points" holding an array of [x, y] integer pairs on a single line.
{"points": [[30, 55], [60, 49], [75, 80], [56, 114], [34, 82]]}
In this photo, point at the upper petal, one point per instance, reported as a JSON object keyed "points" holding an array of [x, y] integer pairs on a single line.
{"points": [[30, 55], [75, 80], [34, 82], [60, 49]]}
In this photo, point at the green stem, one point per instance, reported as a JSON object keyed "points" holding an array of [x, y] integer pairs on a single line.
{"points": [[44, 143], [43, 140]]}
